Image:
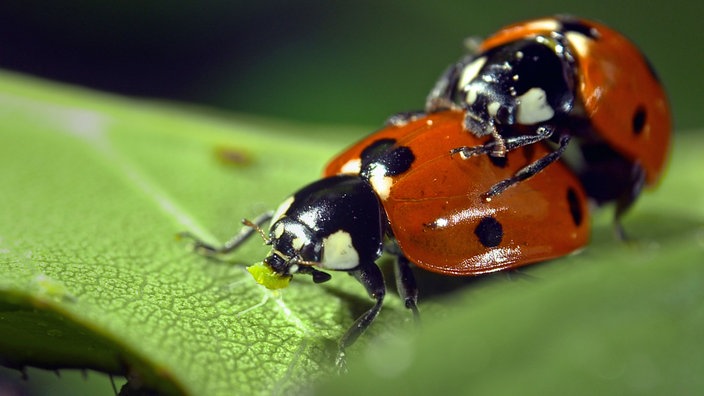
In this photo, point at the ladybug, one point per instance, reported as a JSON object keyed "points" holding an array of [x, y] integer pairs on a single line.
{"points": [[562, 79], [400, 191]]}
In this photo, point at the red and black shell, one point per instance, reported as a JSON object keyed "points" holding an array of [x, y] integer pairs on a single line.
{"points": [[577, 77], [434, 206]]}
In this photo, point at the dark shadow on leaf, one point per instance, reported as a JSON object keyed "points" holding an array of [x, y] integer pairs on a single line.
{"points": [[357, 303], [432, 285]]}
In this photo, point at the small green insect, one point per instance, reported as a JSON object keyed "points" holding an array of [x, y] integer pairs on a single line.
{"points": [[265, 276]]}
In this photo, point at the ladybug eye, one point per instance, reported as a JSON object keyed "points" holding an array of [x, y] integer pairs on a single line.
{"points": [[277, 262], [307, 252]]}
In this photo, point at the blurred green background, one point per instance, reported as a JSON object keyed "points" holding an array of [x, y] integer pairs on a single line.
{"points": [[319, 61]]}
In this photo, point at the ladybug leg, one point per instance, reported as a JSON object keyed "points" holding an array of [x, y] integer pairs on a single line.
{"points": [[369, 275], [473, 44], [499, 146], [250, 228], [529, 170], [542, 133], [467, 152], [318, 276], [406, 284], [441, 97], [625, 201]]}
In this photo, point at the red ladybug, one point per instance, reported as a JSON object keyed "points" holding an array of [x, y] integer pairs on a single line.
{"points": [[400, 191], [435, 210], [564, 78]]}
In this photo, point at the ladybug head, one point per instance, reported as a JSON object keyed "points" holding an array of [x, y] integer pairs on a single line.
{"points": [[294, 249], [525, 82], [292, 243], [335, 223]]}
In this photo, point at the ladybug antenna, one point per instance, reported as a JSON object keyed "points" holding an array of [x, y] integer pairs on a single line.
{"points": [[255, 227], [500, 148], [306, 263]]}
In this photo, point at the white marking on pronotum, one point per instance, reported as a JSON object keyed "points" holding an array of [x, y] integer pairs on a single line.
{"points": [[338, 252], [493, 108], [547, 24], [380, 181], [471, 71], [279, 231], [353, 166], [283, 208], [471, 95], [579, 42], [297, 243], [533, 107]]}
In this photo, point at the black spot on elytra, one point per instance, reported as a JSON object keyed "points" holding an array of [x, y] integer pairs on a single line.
{"points": [[489, 231], [639, 119], [398, 161], [384, 152], [376, 149], [575, 206]]}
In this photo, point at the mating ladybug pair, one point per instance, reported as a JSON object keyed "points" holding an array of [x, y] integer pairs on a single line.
{"points": [[475, 184]]}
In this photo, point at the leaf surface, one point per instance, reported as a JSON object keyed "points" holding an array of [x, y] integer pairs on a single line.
{"points": [[94, 191]]}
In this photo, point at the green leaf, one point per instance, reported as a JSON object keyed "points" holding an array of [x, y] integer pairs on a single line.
{"points": [[94, 189]]}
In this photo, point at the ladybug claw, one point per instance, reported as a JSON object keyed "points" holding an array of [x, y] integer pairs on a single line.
{"points": [[620, 233], [341, 363], [467, 152]]}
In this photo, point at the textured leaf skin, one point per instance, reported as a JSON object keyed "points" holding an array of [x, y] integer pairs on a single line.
{"points": [[94, 190]]}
